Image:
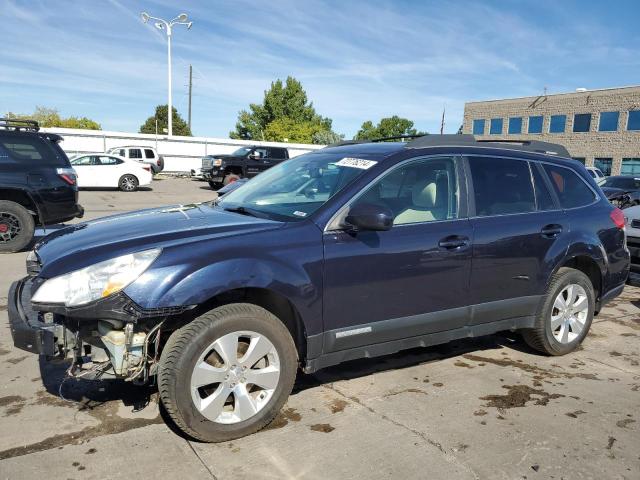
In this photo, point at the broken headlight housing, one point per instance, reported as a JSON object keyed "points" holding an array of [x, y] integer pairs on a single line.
{"points": [[95, 281]]}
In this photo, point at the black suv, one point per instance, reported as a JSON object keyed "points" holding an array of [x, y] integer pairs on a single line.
{"points": [[246, 162], [353, 251], [37, 183]]}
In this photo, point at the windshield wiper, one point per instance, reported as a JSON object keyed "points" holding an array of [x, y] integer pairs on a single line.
{"points": [[242, 211]]}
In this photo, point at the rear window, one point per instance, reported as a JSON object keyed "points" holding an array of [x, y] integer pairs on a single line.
{"points": [[570, 188], [31, 149]]}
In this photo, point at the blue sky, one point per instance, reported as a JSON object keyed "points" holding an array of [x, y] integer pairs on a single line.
{"points": [[357, 60]]}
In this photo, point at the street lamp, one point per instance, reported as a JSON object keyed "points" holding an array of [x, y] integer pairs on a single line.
{"points": [[161, 24]]}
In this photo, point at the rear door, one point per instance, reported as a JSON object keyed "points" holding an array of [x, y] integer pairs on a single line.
{"points": [[517, 229], [86, 170]]}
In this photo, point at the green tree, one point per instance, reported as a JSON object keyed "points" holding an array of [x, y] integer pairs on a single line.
{"points": [[288, 104], [49, 117], [180, 127], [387, 127], [327, 137]]}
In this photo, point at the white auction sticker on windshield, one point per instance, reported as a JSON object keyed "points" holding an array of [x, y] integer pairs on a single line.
{"points": [[300, 214], [356, 163]]}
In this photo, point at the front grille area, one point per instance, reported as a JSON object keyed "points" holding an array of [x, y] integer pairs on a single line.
{"points": [[635, 223], [207, 163]]}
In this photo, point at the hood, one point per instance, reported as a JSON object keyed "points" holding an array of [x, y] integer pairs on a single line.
{"points": [[609, 191], [78, 246]]}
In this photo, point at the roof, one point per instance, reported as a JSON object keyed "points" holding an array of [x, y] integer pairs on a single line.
{"points": [[575, 92], [467, 141]]}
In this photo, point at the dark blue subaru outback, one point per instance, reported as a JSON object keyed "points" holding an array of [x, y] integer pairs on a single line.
{"points": [[355, 250]]}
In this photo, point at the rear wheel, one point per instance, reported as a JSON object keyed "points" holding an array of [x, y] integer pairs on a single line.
{"points": [[228, 373], [566, 314], [128, 183], [16, 227], [215, 185]]}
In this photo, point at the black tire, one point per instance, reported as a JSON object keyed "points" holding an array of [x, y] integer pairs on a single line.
{"points": [[232, 177], [215, 185], [128, 183], [183, 349], [541, 336], [16, 227]]}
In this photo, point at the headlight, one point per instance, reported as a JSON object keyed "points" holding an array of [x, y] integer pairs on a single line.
{"points": [[96, 281], [217, 162]]}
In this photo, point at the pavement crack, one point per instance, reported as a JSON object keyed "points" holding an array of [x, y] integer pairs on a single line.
{"points": [[448, 455], [612, 366], [201, 460]]}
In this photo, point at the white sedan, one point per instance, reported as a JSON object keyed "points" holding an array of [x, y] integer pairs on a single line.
{"points": [[101, 170]]}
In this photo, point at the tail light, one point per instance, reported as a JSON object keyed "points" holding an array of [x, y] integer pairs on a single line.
{"points": [[158, 162], [618, 217], [68, 175]]}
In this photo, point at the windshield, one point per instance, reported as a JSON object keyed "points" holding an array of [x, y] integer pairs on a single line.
{"points": [[241, 152], [295, 189], [627, 183]]}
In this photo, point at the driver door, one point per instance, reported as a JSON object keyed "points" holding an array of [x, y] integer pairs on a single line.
{"points": [[408, 281]]}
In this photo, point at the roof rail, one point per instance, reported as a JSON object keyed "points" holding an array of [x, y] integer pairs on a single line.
{"points": [[19, 124], [454, 140], [374, 140]]}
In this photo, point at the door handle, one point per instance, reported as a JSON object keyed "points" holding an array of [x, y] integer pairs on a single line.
{"points": [[453, 242], [551, 231]]}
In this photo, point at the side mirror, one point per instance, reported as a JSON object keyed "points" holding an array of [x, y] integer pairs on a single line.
{"points": [[369, 216]]}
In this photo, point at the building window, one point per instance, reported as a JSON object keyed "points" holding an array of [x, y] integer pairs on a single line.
{"points": [[630, 166], [515, 125], [496, 126], [535, 124], [603, 164], [478, 127], [581, 122], [557, 123], [582, 160], [609, 121], [634, 120]]}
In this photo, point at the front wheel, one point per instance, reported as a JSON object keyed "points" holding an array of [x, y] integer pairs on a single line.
{"points": [[215, 185], [227, 373], [16, 227], [566, 314], [128, 183]]}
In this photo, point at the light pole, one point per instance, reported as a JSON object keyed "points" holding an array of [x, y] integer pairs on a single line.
{"points": [[167, 27]]}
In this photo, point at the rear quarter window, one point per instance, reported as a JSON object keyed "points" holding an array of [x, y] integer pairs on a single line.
{"points": [[148, 153], [30, 149], [571, 189]]}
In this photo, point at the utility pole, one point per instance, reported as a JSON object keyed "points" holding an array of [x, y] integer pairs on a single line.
{"points": [[190, 88]]}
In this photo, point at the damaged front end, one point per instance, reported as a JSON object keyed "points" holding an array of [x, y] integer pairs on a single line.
{"points": [[111, 336]]}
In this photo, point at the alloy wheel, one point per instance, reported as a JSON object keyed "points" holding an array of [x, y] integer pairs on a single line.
{"points": [[128, 183], [569, 313], [235, 377], [10, 227]]}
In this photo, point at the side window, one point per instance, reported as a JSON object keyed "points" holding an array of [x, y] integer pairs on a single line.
{"points": [[543, 197], [148, 153], [107, 161], [501, 186], [278, 153], [122, 153], [422, 191], [263, 152], [135, 153], [571, 189], [81, 161]]}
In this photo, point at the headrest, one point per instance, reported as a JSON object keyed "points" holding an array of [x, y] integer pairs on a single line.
{"points": [[424, 194]]}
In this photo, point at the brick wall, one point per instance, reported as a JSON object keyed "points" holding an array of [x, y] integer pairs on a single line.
{"points": [[589, 145]]}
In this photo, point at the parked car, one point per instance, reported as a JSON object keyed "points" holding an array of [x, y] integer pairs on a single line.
{"points": [[37, 183], [142, 155], [622, 188], [245, 162], [596, 173], [357, 250], [100, 170], [196, 174], [632, 216]]}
